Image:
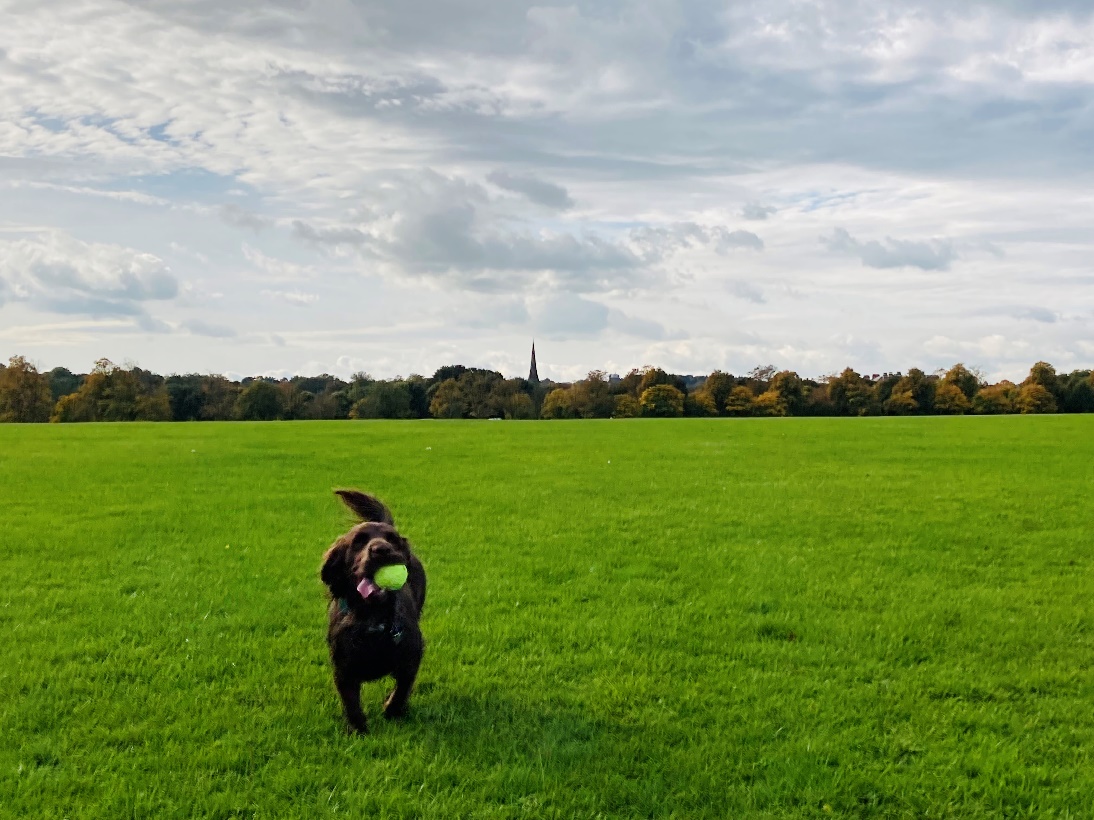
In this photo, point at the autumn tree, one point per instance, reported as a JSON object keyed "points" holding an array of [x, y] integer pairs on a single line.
{"points": [[785, 395], [740, 402], [626, 407], [592, 397], [964, 379], [447, 401], [1034, 397], [950, 400], [24, 392], [995, 399], [662, 401]]}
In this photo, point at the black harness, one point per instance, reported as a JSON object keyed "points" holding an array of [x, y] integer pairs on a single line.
{"points": [[393, 631]]}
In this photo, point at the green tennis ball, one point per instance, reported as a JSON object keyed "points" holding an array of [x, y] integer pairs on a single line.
{"points": [[393, 576]]}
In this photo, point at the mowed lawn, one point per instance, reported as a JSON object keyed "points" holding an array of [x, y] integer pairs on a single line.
{"points": [[628, 618]]}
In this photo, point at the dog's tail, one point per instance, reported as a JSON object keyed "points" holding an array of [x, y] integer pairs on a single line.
{"points": [[366, 507]]}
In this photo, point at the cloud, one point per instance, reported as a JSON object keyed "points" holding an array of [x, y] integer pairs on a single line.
{"points": [[934, 254], [536, 190], [239, 217], [637, 327], [293, 297], [214, 331], [568, 316], [756, 212], [65, 275]]}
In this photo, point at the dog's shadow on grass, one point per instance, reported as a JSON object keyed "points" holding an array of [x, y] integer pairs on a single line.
{"points": [[542, 746]]}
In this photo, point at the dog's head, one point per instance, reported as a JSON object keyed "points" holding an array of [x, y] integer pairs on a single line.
{"points": [[350, 565]]}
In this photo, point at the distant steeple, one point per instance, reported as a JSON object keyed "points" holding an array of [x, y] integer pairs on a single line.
{"points": [[533, 374]]}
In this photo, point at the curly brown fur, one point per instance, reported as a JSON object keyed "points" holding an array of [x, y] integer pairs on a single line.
{"points": [[376, 634]]}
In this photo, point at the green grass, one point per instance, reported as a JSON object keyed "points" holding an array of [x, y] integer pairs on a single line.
{"points": [[724, 618]]}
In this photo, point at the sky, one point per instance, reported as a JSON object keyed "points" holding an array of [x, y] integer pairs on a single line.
{"points": [[283, 187]]}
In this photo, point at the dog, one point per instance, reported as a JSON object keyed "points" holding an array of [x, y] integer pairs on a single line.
{"points": [[373, 632]]}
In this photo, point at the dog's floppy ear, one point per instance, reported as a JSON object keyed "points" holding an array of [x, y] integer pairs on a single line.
{"points": [[367, 507], [335, 572]]}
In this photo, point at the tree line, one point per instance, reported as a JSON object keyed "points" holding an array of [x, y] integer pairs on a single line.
{"points": [[113, 393]]}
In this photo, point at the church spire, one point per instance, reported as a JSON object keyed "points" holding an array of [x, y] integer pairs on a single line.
{"points": [[533, 374]]}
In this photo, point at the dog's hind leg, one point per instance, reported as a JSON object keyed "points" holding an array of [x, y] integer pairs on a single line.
{"points": [[395, 706], [350, 692]]}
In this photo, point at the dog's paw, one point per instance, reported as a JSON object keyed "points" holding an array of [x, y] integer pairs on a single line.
{"points": [[393, 711]]}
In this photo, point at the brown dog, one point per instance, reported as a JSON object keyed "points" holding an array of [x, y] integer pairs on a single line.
{"points": [[373, 632]]}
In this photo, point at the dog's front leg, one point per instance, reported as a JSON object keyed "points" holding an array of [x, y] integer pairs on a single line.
{"points": [[350, 692], [395, 706]]}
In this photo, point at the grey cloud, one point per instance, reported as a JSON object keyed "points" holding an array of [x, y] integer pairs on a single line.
{"points": [[756, 212], [662, 241], [239, 217], [200, 328], [536, 190], [328, 236], [568, 316], [638, 327], [934, 254], [746, 291]]}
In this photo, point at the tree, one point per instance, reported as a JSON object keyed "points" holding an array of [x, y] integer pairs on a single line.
{"points": [[218, 398], [995, 399], [964, 379], [920, 387], [24, 393], [384, 400], [950, 400], [259, 401], [626, 407], [901, 403], [447, 402], [592, 397], [62, 382], [718, 386], [788, 393], [850, 393], [559, 404], [740, 402], [1035, 398], [186, 396], [700, 404], [769, 403], [1043, 374], [662, 401]]}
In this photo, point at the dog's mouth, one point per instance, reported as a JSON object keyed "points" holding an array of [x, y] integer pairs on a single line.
{"points": [[368, 589]]}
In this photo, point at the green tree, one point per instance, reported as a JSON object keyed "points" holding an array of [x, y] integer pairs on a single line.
{"points": [[626, 407], [789, 393], [921, 388], [384, 400], [1043, 374], [219, 398], [24, 392], [718, 386], [62, 382], [259, 401], [662, 401], [559, 404]]}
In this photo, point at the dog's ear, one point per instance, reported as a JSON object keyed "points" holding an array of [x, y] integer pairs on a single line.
{"points": [[367, 507], [335, 572]]}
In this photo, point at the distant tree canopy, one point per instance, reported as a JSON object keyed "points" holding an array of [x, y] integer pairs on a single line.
{"points": [[114, 393]]}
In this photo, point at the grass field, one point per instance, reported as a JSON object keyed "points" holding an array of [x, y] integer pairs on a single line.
{"points": [[687, 618]]}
